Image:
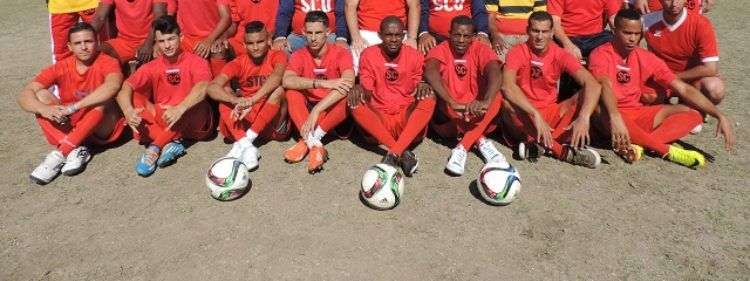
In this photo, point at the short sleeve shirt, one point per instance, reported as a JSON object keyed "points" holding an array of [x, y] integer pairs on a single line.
{"points": [[250, 75], [462, 74], [133, 17], [198, 18], [684, 45], [538, 76], [334, 62], [73, 86], [392, 82], [583, 17], [169, 83]]}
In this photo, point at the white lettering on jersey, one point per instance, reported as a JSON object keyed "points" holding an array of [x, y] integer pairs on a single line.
{"points": [[316, 5], [444, 5]]}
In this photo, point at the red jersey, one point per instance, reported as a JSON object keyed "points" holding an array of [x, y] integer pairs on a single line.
{"points": [[245, 11], [392, 82], [250, 75], [133, 17], [583, 17], [538, 76], [169, 83], [198, 18], [371, 12], [684, 45], [302, 7], [334, 62], [74, 86], [692, 5], [462, 75], [629, 75], [443, 11]]}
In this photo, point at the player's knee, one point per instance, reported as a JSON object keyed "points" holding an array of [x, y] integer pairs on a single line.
{"points": [[46, 97], [713, 87], [276, 96]]}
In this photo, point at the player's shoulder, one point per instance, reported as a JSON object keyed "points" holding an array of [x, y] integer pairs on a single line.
{"points": [[300, 54], [371, 50], [603, 51], [411, 51], [521, 49], [439, 51]]}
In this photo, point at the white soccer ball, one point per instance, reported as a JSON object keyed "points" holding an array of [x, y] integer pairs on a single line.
{"points": [[499, 183], [382, 187], [228, 179]]}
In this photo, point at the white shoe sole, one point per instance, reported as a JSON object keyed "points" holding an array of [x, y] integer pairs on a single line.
{"points": [[74, 171]]}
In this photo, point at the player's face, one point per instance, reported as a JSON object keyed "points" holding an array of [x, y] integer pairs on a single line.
{"points": [[316, 34], [83, 45], [169, 43], [257, 44], [540, 34], [628, 34], [460, 38], [673, 7], [393, 37]]}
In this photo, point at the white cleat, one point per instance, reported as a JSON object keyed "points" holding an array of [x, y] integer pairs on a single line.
{"points": [[76, 161], [457, 161], [48, 169], [236, 151], [489, 152], [250, 157], [697, 129]]}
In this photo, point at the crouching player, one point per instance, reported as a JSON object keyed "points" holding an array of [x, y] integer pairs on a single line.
{"points": [[465, 74], [317, 80], [623, 69], [83, 112], [163, 101], [393, 104], [245, 116], [530, 79]]}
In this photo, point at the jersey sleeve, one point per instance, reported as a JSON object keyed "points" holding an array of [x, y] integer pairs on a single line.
{"points": [[141, 79], [367, 71], [555, 7], [47, 77], [599, 63], [485, 55], [296, 64], [232, 69], [660, 72], [707, 46], [569, 63]]}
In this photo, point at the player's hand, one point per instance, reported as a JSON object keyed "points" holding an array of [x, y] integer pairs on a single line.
{"points": [[242, 108], [144, 52], [219, 46], [357, 96], [426, 42], [309, 124], [343, 85], [279, 44], [580, 128], [172, 114], [133, 117], [423, 91], [483, 38], [573, 49], [642, 6], [725, 128], [620, 136], [411, 42], [358, 44], [708, 5], [477, 108], [203, 48], [498, 44], [54, 113], [543, 131]]}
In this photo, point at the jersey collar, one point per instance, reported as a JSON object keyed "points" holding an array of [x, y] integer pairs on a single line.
{"points": [[678, 23]]}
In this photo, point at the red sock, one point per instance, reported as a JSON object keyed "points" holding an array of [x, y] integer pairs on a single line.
{"points": [[676, 126], [560, 134], [81, 130], [478, 131], [371, 123], [297, 104], [640, 137], [51, 130], [333, 117], [415, 125], [266, 115]]}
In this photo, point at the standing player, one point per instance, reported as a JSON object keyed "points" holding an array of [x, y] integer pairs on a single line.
{"points": [[623, 67], [175, 109], [530, 78], [393, 104], [245, 117], [317, 80], [203, 23], [579, 24], [649, 6], [508, 21], [63, 14], [87, 81], [436, 16], [363, 19], [291, 20], [133, 18], [244, 12], [465, 74], [687, 43]]}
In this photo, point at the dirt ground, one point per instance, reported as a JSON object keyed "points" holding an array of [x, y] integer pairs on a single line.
{"points": [[650, 221]]}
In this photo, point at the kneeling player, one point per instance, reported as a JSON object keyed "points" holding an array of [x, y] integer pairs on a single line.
{"points": [[83, 112], [530, 79], [458, 70], [318, 79], [246, 116], [175, 108], [623, 68], [392, 104]]}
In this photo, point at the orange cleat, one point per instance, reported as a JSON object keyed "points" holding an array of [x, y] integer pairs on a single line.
{"points": [[296, 153], [318, 156]]}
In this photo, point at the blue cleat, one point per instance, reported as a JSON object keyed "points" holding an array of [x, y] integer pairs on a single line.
{"points": [[146, 164], [171, 152]]}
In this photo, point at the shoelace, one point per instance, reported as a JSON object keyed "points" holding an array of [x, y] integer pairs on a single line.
{"points": [[150, 157], [460, 156]]}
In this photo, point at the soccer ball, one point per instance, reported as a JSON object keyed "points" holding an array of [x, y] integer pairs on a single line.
{"points": [[382, 187], [228, 179], [499, 183]]}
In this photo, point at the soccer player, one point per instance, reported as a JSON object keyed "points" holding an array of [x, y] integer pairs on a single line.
{"points": [[83, 111], [63, 14], [392, 103], [508, 21], [133, 18], [246, 116], [687, 43], [465, 74], [530, 78], [163, 101], [203, 23], [244, 12], [317, 80], [649, 6], [363, 19], [622, 67], [290, 23], [436, 16], [579, 24]]}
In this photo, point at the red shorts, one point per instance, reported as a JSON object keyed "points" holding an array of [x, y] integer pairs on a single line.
{"points": [[197, 123], [125, 49], [117, 129], [234, 130], [643, 116]]}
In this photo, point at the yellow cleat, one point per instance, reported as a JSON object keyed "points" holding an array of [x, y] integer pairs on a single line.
{"points": [[688, 158]]}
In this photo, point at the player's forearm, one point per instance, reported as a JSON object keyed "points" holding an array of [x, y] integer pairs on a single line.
{"points": [[693, 96], [125, 98], [197, 94], [219, 94], [273, 82], [608, 98], [433, 78], [560, 32], [294, 82], [28, 101], [591, 92], [494, 81], [102, 94], [351, 18], [332, 98], [515, 96], [698, 72], [100, 17], [413, 19], [224, 22]]}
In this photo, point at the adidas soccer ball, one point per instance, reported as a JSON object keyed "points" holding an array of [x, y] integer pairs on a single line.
{"points": [[228, 179], [382, 187], [499, 183]]}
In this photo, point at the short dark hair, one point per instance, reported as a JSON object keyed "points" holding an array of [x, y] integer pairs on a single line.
{"points": [[540, 16], [462, 20], [166, 25], [254, 27], [81, 26], [317, 16], [390, 20], [627, 14]]}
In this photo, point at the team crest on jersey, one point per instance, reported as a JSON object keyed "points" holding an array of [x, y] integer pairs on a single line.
{"points": [[690, 4], [173, 76], [391, 74], [536, 69], [319, 73], [623, 74], [255, 1], [460, 67]]}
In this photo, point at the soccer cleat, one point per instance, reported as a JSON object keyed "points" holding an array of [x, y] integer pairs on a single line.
{"points": [[409, 163], [48, 169], [630, 154], [146, 164], [170, 153], [236, 151], [318, 156], [250, 157], [296, 153], [529, 151], [457, 161], [687, 158], [390, 159], [586, 157], [489, 152], [76, 161]]}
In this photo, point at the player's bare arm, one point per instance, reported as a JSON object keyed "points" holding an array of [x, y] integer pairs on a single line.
{"points": [[563, 38], [331, 99], [618, 130], [29, 102], [125, 102], [587, 104], [705, 69], [515, 96], [203, 48], [433, 77], [350, 11], [295, 82], [197, 94], [412, 22], [693, 96], [493, 72]]}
